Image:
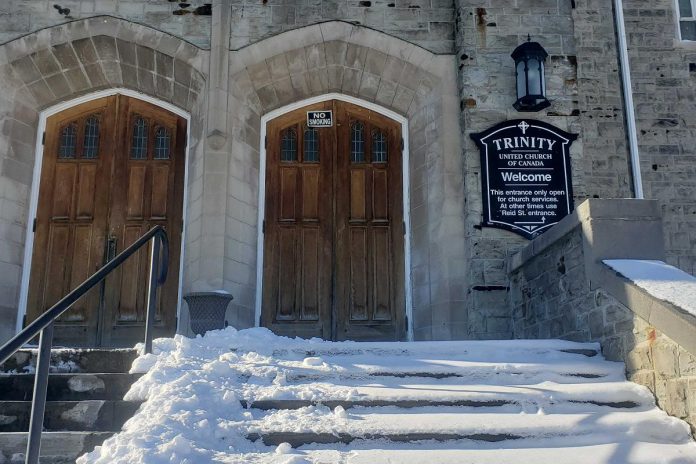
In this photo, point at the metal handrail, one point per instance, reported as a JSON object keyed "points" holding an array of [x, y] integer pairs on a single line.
{"points": [[43, 325]]}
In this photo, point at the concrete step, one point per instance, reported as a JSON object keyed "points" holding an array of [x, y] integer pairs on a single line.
{"points": [[68, 387], [268, 405], [444, 424], [92, 415], [74, 360], [432, 392], [297, 439], [518, 452], [56, 447]]}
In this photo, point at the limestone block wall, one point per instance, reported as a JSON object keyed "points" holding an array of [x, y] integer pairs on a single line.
{"points": [[428, 23], [664, 90], [487, 33], [21, 17], [558, 292]]}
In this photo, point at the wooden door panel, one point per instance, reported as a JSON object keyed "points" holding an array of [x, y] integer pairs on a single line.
{"points": [[89, 193], [81, 265], [148, 175], [58, 252], [298, 228], [358, 308], [132, 274], [310, 194], [381, 274], [310, 268], [86, 192], [357, 195], [380, 195], [66, 176], [370, 303], [71, 216], [333, 228], [288, 193], [287, 274], [160, 194], [136, 192]]}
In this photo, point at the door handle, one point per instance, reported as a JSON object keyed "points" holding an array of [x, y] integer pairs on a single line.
{"points": [[111, 248]]}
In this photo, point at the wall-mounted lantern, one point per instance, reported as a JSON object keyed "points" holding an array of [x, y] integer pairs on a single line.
{"points": [[529, 66]]}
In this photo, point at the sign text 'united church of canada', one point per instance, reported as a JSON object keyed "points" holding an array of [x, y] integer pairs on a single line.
{"points": [[525, 175]]}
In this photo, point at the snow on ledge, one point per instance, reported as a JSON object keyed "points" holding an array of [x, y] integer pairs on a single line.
{"points": [[660, 280]]}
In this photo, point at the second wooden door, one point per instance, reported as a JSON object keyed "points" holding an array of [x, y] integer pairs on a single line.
{"points": [[333, 228]]}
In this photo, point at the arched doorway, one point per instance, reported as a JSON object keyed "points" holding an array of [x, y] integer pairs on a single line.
{"points": [[112, 168], [333, 227]]}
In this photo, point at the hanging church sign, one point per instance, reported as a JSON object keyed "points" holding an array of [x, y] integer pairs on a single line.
{"points": [[320, 118], [525, 175]]}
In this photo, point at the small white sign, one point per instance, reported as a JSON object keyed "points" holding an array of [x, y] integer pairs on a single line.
{"points": [[320, 118]]}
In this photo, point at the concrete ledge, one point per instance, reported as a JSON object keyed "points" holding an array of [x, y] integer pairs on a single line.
{"points": [[673, 321], [612, 228]]}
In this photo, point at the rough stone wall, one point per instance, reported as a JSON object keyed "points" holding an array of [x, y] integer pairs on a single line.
{"points": [[550, 298], [663, 73], [21, 17], [428, 23], [487, 33]]}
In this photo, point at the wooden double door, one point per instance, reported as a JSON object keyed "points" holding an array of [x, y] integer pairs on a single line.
{"points": [[112, 169], [333, 229]]}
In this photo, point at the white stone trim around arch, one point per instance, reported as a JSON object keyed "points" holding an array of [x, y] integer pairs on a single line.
{"points": [[36, 180], [406, 196]]}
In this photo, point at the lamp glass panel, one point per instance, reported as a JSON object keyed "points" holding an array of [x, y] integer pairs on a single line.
{"points": [[521, 80], [685, 9], [534, 77]]}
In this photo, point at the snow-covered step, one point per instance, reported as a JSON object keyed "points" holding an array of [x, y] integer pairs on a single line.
{"points": [[446, 393], [67, 360], [56, 447], [68, 387], [518, 452], [93, 415], [248, 397], [320, 425], [566, 369]]}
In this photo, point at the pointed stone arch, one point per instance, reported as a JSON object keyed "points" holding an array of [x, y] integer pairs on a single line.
{"points": [[337, 57], [69, 62]]}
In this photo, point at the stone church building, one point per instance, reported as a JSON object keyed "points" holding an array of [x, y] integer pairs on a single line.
{"points": [[117, 115]]}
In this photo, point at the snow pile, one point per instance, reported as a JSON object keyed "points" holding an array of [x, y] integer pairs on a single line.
{"points": [[661, 280], [553, 402]]}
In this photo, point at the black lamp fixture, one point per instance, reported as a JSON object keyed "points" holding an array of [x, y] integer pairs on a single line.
{"points": [[529, 68]]}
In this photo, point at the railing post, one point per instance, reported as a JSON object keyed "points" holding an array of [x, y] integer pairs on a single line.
{"points": [[38, 404], [152, 292]]}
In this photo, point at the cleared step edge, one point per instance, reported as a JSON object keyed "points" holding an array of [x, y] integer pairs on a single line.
{"points": [[297, 439]]}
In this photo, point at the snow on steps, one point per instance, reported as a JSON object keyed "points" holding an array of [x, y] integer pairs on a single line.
{"points": [[84, 402], [250, 397]]}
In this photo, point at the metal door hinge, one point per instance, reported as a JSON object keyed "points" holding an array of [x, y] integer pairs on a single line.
{"points": [[43, 138], [403, 227], [265, 141], [402, 144], [406, 320], [24, 321], [263, 227], [33, 226]]}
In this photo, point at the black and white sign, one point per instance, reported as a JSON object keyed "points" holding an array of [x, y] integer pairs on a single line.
{"points": [[319, 118], [525, 175]]}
